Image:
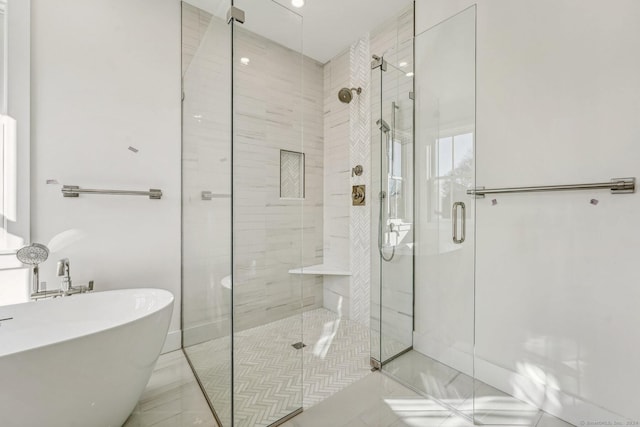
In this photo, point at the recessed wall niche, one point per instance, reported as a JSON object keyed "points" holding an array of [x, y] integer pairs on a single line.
{"points": [[291, 175]]}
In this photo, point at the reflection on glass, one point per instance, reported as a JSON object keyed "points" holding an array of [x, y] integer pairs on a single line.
{"points": [[444, 147]]}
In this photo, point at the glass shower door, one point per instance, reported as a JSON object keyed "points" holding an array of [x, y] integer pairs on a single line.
{"points": [[206, 201], [440, 364], [392, 210], [243, 201], [268, 201]]}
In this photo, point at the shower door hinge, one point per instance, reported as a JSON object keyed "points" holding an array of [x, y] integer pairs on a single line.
{"points": [[412, 95], [235, 14], [378, 62], [375, 364]]}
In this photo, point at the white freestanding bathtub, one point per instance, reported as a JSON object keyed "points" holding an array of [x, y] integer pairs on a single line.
{"points": [[81, 360]]}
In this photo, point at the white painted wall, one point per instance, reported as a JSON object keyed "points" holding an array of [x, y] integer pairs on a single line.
{"points": [[558, 101], [106, 76]]}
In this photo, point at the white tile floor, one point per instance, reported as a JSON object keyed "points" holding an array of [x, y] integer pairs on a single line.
{"points": [[173, 399], [336, 355], [488, 405], [378, 401]]}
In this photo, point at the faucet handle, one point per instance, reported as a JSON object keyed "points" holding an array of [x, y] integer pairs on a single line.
{"points": [[63, 267]]}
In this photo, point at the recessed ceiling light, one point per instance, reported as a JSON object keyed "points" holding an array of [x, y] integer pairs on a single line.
{"points": [[297, 3], [410, 74], [245, 60], [402, 64]]}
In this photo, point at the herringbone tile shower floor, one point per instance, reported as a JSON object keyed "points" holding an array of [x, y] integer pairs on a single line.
{"points": [[268, 380]]}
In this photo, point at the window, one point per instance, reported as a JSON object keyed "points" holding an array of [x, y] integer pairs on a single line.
{"points": [[451, 171]]}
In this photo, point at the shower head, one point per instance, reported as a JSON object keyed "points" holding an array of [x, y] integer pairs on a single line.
{"points": [[383, 126], [33, 254], [345, 95]]}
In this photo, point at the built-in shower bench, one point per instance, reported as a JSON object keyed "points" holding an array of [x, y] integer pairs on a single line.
{"points": [[321, 270], [336, 286]]}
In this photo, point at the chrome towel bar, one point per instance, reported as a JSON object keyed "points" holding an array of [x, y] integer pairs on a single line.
{"points": [[616, 185], [75, 191]]}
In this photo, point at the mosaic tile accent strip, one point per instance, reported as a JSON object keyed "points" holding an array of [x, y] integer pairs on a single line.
{"points": [[360, 154]]}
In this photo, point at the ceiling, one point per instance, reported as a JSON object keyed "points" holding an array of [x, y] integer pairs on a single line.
{"points": [[327, 26]]}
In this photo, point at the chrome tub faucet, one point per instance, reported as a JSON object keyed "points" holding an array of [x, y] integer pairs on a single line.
{"points": [[66, 286]]}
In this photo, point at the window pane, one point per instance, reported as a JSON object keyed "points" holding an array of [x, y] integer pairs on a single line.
{"points": [[462, 150], [445, 156]]}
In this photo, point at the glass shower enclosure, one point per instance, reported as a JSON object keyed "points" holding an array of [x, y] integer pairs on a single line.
{"points": [[243, 202], [519, 292], [392, 224], [427, 309]]}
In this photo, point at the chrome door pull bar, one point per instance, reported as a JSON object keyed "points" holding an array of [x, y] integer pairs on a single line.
{"points": [[454, 214]]}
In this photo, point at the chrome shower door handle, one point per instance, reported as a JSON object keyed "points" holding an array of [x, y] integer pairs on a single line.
{"points": [[454, 220]]}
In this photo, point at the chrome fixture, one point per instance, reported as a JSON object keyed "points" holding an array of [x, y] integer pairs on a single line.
{"points": [[383, 126], [80, 289], [65, 273], [75, 191], [34, 255], [378, 62], [380, 231], [345, 94], [357, 170], [235, 14], [454, 216], [616, 185], [66, 287], [210, 195], [46, 294], [389, 132]]}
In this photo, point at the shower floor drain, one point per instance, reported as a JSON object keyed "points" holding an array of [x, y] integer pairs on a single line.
{"points": [[298, 345]]}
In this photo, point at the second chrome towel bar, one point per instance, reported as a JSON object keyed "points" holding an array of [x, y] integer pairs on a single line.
{"points": [[616, 185], [75, 191]]}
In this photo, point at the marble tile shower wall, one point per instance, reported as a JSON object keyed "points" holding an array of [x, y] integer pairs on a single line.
{"points": [[337, 189], [348, 237], [274, 98], [271, 235]]}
